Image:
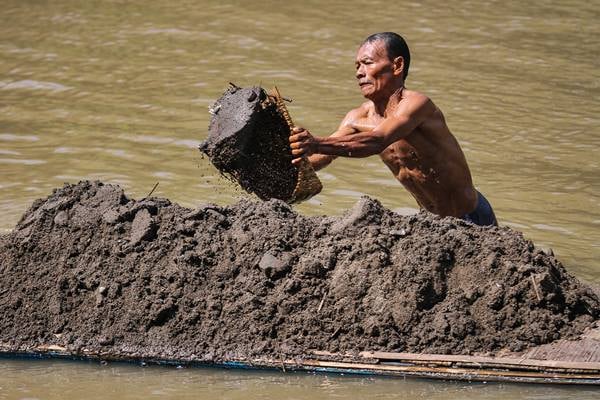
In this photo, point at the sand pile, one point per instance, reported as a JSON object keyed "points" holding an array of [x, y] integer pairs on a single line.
{"points": [[89, 268]]}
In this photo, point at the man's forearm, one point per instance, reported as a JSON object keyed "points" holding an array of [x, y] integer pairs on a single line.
{"points": [[356, 145]]}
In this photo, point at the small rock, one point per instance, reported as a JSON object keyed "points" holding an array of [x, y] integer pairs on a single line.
{"points": [[106, 341], [61, 219], [273, 267], [366, 211], [142, 227], [214, 214], [111, 216], [399, 232], [99, 299], [200, 211]]}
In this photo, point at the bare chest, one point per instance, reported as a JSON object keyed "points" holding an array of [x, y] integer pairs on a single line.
{"points": [[400, 155], [403, 159]]}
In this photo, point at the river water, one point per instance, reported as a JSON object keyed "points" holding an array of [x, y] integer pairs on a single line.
{"points": [[79, 380], [119, 91]]}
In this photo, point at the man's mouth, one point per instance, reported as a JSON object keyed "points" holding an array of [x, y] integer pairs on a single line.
{"points": [[361, 84]]}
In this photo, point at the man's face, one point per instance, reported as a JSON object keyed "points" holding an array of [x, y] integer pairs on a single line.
{"points": [[374, 69]]}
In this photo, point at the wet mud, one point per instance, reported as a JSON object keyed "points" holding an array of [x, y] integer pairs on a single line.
{"points": [[89, 268], [248, 141]]}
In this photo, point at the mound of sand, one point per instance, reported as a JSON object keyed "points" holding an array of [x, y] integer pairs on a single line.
{"points": [[89, 268]]}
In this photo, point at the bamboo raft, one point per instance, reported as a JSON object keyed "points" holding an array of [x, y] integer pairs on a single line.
{"points": [[564, 362]]}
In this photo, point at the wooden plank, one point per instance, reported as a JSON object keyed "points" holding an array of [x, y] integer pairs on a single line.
{"points": [[465, 372], [484, 361], [451, 371], [583, 350], [461, 373]]}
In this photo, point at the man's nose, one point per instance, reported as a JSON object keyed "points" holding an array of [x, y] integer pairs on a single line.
{"points": [[360, 73]]}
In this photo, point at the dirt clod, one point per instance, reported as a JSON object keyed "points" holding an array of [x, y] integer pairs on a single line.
{"points": [[248, 141]]}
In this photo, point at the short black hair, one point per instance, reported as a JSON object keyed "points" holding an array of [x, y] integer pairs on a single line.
{"points": [[395, 45]]}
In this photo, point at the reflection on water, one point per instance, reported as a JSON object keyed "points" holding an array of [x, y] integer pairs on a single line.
{"points": [[33, 85], [49, 380], [119, 91]]}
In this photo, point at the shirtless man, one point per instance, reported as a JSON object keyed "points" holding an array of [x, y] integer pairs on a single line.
{"points": [[408, 132]]}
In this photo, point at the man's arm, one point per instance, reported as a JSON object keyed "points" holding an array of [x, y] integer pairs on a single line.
{"points": [[364, 143], [320, 161]]}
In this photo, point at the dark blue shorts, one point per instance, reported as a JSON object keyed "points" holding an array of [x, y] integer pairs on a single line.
{"points": [[483, 213]]}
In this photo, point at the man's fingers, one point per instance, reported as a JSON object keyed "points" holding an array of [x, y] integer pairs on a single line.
{"points": [[298, 137], [300, 143]]}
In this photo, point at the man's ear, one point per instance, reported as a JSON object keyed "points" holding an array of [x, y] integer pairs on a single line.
{"points": [[398, 65]]}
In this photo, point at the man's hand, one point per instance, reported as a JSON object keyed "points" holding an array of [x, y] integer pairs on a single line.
{"points": [[302, 144]]}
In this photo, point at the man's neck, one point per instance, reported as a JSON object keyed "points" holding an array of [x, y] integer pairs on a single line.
{"points": [[388, 102]]}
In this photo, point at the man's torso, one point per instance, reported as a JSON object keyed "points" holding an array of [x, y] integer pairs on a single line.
{"points": [[428, 162]]}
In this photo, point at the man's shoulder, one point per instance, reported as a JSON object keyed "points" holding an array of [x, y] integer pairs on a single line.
{"points": [[359, 113], [413, 101], [414, 96], [362, 110]]}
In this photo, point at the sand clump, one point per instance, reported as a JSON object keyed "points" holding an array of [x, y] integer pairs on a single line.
{"points": [[248, 141], [89, 268]]}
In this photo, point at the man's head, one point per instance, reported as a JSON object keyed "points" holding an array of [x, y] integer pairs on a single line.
{"points": [[382, 63]]}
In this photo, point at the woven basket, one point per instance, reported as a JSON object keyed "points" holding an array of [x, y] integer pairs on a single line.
{"points": [[308, 183]]}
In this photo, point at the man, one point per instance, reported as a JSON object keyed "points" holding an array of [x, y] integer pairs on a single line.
{"points": [[408, 132]]}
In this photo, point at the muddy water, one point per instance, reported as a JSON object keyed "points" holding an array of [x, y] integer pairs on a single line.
{"points": [[90, 381], [119, 91]]}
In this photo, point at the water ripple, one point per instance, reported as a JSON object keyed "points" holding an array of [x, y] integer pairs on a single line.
{"points": [[21, 162], [14, 137], [29, 84]]}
